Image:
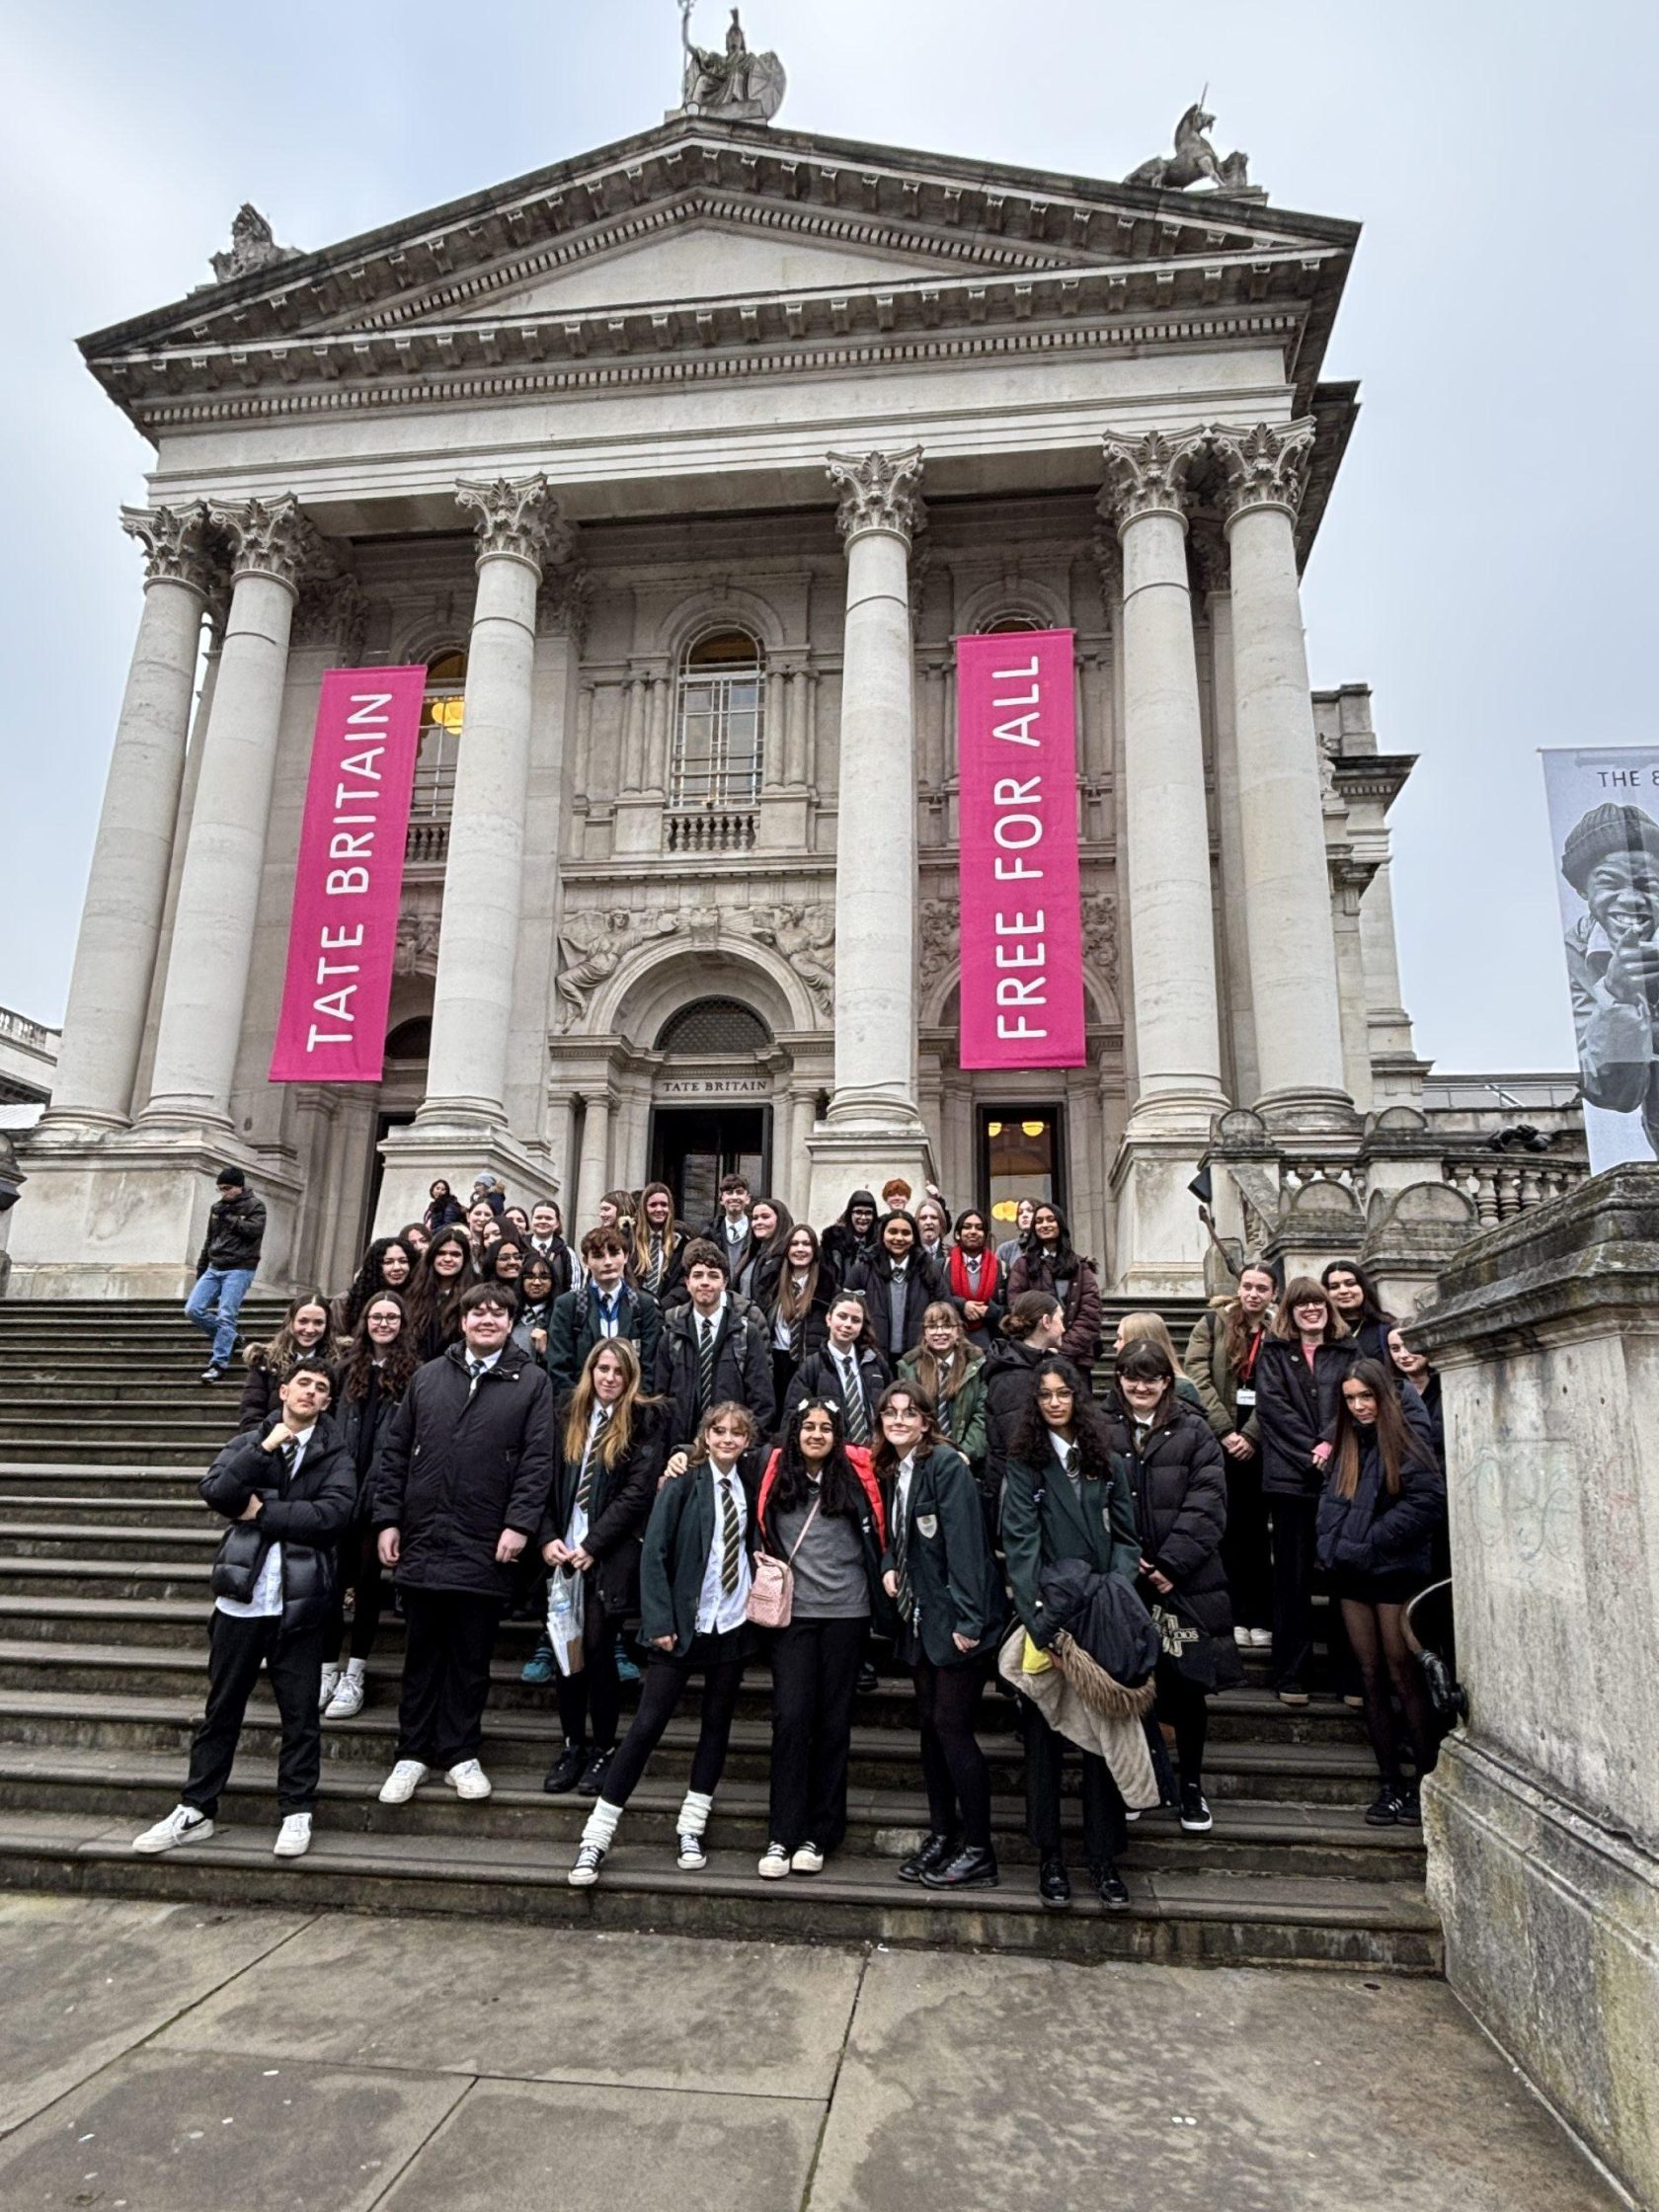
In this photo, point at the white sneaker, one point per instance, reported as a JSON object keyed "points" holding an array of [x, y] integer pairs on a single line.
{"points": [[402, 1783], [1241, 1637], [1261, 1639], [293, 1838], [330, 1682], [775, 1863], [468, 1779], [689, 1854], [346, 1699], [182, 1825], [809, 1860], [585, 1872]]}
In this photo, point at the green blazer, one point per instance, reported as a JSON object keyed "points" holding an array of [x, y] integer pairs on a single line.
{"points": [[968, 1413], [1044, 1519], [953, 1570], [677, 1538]]}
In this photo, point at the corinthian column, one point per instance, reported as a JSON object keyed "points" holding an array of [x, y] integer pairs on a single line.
{"points": [[518, 531], [271, 548], [121, 923], [1286, 890], [1171, 920]]}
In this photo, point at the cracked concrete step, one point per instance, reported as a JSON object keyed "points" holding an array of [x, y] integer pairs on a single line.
{"points": [[1175, 1918]]}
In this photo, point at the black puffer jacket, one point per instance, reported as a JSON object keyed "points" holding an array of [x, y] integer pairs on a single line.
{"points": [[365, 1425], [1011, 1380], [460, 1466], [1295, 1411], [923, 1287], [618, 1505], [818, 1377], [1373, 1534], [743, 1365], [235, 1232], [305, 1516], [1179, 1478]]}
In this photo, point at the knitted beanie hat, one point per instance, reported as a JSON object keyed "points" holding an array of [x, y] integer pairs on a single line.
{"points": [[1603, 829]]}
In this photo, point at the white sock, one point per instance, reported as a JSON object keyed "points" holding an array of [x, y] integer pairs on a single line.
{"points": [[356, 1669], [694, 1814], [601, 1822]]}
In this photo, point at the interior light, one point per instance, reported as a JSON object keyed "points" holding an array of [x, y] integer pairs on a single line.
{"points": [[1035, 1129], [993, 1129]]}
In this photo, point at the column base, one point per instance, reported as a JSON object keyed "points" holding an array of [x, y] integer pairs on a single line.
{"points": [[1552, 1924], [122, 1215], [1160, 1242], [458, 1146], [862, 1158], [1308, 1113]]}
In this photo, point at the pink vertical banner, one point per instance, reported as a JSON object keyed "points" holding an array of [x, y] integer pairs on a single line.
{"points": [[1022, 936], [350, 877]]}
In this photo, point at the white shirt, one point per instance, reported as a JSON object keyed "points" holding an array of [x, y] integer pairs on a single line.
{"points": [[267, 1600], [901, 1485], [720, 1610], [1060, 1448], [714, 1317], [610, 1323]]}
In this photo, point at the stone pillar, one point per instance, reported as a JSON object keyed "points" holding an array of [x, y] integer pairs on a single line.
{"points": [[872, 1129], [1293, 952], [1170, 909], [271, 547], [1542, 1818], [592, 1176], [126, 893]]}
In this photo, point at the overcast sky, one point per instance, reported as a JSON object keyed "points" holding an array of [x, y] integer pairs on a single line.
{"points": [[1480, 564]]}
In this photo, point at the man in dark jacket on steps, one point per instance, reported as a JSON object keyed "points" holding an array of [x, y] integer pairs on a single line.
{"points": [[716, 1347], [288, 1495], [228, 1263], [462, 1489]]}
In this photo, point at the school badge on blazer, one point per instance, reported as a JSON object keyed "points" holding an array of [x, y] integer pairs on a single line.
{"points": [[927, 1523]]}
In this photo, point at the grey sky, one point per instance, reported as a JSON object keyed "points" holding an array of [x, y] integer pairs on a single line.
{"points": [[1482, 559]]}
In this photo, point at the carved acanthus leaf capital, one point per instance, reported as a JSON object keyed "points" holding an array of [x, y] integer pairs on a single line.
{"points": [[182, 545], [1147, 475], [879, 492], [562, 605], [518, 518], [332, 611], [1266, 466], [271, 537]]}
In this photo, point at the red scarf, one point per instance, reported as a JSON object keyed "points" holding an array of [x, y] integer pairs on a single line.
{"points": [[990, 1275]]}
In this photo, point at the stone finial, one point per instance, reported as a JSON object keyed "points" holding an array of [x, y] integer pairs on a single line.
{"points": [[181, 545], [271, 537], [253, 245], [879, 492], [1266, 466], [734, 86], [1195, 160], [1147, 475], [520, 518]]}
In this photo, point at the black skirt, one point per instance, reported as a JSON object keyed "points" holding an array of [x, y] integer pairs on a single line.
{"points": [[1395, 1589]]}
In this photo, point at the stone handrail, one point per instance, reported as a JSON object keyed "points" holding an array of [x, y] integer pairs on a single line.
{"points": [[1500, 1185], [710, 833], [23, 1031], [427, 842]]}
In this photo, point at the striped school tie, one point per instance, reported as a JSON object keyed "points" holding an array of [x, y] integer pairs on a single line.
{"points": [[288, 1453], [705, 1367], [654, 1272], [585, 1480], [852, 1405], [729, 1540], [905, 1600]]}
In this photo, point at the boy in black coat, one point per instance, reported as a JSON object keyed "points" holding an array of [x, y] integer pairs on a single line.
{"points": [[714, 1349], [605, 1305], [288, 1495], [462, 1489]]}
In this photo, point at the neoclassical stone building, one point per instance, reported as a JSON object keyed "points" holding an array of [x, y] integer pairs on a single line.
{"points": [[679, 466]]}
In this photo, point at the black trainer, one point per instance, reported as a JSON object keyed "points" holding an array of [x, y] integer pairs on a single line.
{"points": [[1195, 1811], [566, 1770], [1410, 1814], [933, 1850], [1110, 1885], [1384, 1809], [973, 1867], [593, 1774], [869, 1682], [1054, 1883]]}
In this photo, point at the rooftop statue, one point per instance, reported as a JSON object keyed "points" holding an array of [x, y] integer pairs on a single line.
{"points": [[1194, 159], [735, 86], [253, 245]]}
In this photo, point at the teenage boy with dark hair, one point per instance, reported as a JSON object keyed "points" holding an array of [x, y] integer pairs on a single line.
{"points": [[288, 1495], [605, 1306], [730, 1229], [462, 1488], [716, 1347]]}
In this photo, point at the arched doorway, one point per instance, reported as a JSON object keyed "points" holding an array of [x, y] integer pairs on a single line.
{"points": [[711, 1109]]}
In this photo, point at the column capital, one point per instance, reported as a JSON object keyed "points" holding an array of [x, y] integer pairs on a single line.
{"points": [[181, 545], [878, 492], [1265, 466], [562, 605], [331, 611], [271, 537], [1147, 475], [518, 518]]}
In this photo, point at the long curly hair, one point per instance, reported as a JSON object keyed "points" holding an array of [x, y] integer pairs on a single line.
{"points": [[400, 1358], [1090, 1431], [436, 1307]]}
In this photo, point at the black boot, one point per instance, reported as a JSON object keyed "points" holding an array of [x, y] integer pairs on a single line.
{"points": [[932, 1852], [591, 1783], [973, 1867], [1054, 1884], [566, 1770], [1111, 1886]]}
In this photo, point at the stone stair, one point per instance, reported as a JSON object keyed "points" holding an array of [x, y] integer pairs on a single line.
{"points": [[104, 1554]]}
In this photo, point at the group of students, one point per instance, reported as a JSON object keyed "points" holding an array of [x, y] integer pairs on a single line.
{"points": [[757, 1442]]}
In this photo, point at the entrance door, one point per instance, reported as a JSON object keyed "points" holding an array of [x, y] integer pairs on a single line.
{"points": [[693, 1146], [1020, 1157]]}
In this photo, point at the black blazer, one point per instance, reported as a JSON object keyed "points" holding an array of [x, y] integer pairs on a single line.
{"points": [[305, 1516], [675, 1555], [573, 1331], [953, 1570], [617, 1505], [1295, 1411], [743, 1365], [818, 1377]]}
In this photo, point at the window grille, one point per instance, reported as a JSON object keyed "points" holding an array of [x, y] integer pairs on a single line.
{"points": [[433, 795], [719, 723], [715, 1025]]}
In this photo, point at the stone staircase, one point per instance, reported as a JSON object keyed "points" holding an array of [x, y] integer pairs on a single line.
{"points": [[105, 1554]]}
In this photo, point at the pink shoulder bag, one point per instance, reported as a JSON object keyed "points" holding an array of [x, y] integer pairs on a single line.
{"points": [[771, 1596]]}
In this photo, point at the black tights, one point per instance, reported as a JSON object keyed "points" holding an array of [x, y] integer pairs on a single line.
{"points": [[1377, 1635], [594, 1691], [1184, 1705], [664, 1684], [357, 1564], [954, 1766]]}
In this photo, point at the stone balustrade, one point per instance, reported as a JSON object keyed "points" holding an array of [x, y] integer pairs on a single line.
{"points": [[427, 843], [1500, 1185], [708, 833]]}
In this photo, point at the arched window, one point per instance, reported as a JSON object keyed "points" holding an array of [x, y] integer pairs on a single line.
{"points": [[440, 737], [1005, 622], [411, 1039], [719, 723], [714, 1025]]}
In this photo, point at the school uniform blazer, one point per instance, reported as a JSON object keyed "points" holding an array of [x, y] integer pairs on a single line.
{"points": [[953, 1571], [678, 1536], [617, 1505], [742, 1365], [573, 1331], [1045, 1520]]}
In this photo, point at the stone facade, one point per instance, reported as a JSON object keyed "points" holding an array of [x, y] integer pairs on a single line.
{"points": [[722, 378]]}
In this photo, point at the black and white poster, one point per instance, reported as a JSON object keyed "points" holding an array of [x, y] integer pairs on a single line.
{"points": [[1603, 820]]}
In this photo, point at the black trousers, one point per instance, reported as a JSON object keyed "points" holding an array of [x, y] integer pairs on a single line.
{"points": [[952, 1763], [1247, 1546], [814, 1678], [450, 1639], [1105, 1830], [595, 1694], [236, 1649], [1186, 1708], [1295, 1527], [721, 1659], [358, 1565]]}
